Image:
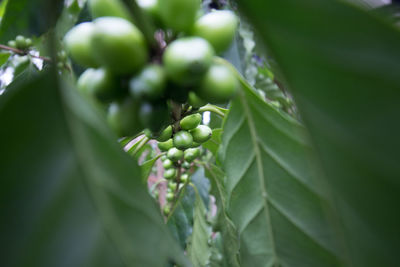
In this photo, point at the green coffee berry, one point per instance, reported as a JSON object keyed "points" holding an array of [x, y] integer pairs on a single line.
{"points": [[191, 154], [170, 196], [166, 210], [12, 44], [172, 186], [170, 174], [20, 40], [184, 177], [175, 154], [167, 164], [190, 122], [165, 146], [28, 42], [187, 59], [195, 101], [183, 140], [165, 134], [201, 133], [186, 165]]}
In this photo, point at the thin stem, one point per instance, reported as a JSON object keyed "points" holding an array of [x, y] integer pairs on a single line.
{"points": [[21, 52], [217, 110]]}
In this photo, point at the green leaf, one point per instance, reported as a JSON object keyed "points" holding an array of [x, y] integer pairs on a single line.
{"points": [[180, 222], [229, 236], [198, 249], [4, 56], [147, 167], [214, 142], [28, 17], [202, 185], [342, 66], [69, 195], [272, 197], [69, 16]]}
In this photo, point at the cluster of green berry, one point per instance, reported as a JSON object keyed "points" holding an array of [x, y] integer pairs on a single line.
{"points": [[142, 81], [21, 43], [181, 141]]}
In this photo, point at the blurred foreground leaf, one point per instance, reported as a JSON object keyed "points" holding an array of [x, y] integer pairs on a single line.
{"points": [[69, 195], [343, 67]]}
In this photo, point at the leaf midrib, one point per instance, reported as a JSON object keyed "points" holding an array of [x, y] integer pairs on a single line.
{"points": [[260, 169]]}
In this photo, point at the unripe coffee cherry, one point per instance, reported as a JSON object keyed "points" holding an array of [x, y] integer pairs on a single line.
{"points": [[186, 165], [219, 85], [165, 134], [118, 45], [175, 154], [170, 174], [149, 84], [169, 196], [100, 84], [201, 133], [28, 42], [78, 44], [12, 43], [183, 140], [166, 210], [165, 146], [154, 116], [191, 154], [184, 177], [172, 186], [196, 101], [123, 117], [20, 40], [190, 122], [151, 8], [179, 15], [167, 164], [186, 60], [218, 28], [108, 8]]}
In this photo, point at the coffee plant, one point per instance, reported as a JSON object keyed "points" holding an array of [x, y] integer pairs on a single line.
{"points": [[199, 133]]}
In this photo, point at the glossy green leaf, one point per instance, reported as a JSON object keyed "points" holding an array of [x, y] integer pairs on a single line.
{"points": [[147, 167], [198, 249], [69, 195], [214, 142], [230, 242], [272, 195], [342, 66]]}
